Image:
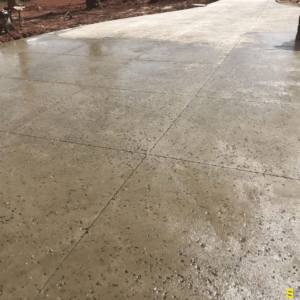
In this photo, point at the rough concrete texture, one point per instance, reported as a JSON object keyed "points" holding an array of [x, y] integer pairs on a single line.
{"points": [[155, 157]]}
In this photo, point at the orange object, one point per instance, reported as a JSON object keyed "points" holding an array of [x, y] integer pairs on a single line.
{"points": [[12, 3]]}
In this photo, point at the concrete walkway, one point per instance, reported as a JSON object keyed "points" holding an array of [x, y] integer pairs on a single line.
{"points": [[155, 157]]}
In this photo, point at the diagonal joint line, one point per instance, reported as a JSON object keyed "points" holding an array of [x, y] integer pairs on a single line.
{"points": [[89, 227]]}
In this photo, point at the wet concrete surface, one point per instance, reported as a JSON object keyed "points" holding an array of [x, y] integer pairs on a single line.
{"points": [[115, 48], [41, 44], [12, 63], [22, 100], [291, 45], [51, 192], [111, 118], [257, 74], [163, 77], [2, 134], [72, 69], [236, 134], [154, 157], [170, 221], [186, 53]]}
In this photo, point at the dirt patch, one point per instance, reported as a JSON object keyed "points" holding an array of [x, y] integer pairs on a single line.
{"points": [[289, 2], [55, 17]]}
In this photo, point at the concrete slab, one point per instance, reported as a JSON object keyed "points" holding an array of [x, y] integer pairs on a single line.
{"points": [[165, 26], [160, 76], [50, 193], [270, 57], [196, 232], [166, 228], [119, 119], [219, 39], [186, 53], [267, 40], [116, 48], [267, 23], [246, 135], [17, 63], [22, 100], [2, 134], [72, 69], [256, 75], [41, 44]]}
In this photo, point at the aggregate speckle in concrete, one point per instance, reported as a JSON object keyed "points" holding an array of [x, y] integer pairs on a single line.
{"points": [[154, 157], [188, 231], [246, 135], [255, 76], [12, 63], [115, 47], [40, 44], [119, 119], [51, 192], [21, 100], [160, 76], [186, 53], [2, 134], [71, 69]]}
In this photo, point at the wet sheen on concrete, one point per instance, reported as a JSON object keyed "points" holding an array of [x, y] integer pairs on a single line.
{"points": [[180, 230], [154, 157]]}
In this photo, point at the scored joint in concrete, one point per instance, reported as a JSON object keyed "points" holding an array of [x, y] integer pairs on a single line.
{"points": [[50, 193], [192, 226], [253, 136], [22, 100], [121, 119]]}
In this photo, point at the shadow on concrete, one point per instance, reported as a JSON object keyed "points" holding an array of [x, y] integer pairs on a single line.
{"points": [[293, 45]]}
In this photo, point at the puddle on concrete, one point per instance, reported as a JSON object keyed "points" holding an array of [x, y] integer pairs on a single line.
{"points": [[293, 45]]}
